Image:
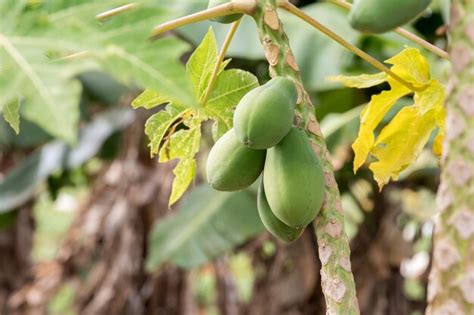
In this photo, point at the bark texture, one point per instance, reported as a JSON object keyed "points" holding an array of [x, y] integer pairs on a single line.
{"points": [[451, 287], [334, 251]]}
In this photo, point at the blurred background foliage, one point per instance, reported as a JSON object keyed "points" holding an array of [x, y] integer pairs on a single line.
{"points": [[81, 150]]}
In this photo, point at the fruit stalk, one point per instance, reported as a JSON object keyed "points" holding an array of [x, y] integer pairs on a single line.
{"points": [[451, 285], [334, 251]]}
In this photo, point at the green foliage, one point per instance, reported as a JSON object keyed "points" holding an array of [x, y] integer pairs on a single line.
{"points": [[265, 115], [208, 224], [187, 109], [34, 66], [11, 114]]}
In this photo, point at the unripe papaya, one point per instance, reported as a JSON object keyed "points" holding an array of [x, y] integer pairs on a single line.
{"points": [[294, 180], [379, 16], [272, 223], [265, 114], [224, 19], [232, 166]]}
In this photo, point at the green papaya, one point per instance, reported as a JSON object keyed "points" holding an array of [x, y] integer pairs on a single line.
{"points": [[265, 114], [272, 223], [224, 19], [379, 16], [294, 180], [232, 166]]}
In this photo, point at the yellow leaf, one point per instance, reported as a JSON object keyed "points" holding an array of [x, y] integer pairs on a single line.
{"points": [[370, 118], [360, 81], [412, 66], [400, 142], [184, 172], [403, 139]]}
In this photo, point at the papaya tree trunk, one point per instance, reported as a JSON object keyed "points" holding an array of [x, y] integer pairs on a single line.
{"points": [[334, 251], [451, 286]]}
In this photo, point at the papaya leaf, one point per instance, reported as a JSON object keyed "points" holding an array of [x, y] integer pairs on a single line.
{"points": [[208, 224], [401, 141], [201, 64], [11, 114], [230, 87], [184, 173], [163, 128], [158, 124], [149, 99]]}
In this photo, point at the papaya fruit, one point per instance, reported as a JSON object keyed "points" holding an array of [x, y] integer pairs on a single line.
{"points": [[232, 166], [272, 223], [379, 16], [294, 180], [265, 114], [223, 19]]}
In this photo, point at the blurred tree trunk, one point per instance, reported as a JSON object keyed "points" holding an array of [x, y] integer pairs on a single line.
{"points": [[451, 287]]}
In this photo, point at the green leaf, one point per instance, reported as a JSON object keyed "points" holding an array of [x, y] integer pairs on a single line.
{"points": [[183, 144], [149, 99], [208, 224], [201, 64], [230, 87], [158, 124], [11, 114], [43, 85]]}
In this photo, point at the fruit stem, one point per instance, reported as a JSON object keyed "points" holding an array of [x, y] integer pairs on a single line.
{"points": [[220, 59], [359, 52], [116, 11], [246, 7], [402, 32]]}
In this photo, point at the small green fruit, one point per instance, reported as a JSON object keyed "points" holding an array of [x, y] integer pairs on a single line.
{"points": [[379, 16], [232, 166], [294, 180], [272, 223], [265, 114]]}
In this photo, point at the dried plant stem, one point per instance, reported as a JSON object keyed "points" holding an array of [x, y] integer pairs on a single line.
{"points": [[403, 32], [116, 11], [220, 59]]}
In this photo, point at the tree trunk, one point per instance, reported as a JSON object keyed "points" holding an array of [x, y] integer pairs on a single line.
{"points": [[451, 287]]}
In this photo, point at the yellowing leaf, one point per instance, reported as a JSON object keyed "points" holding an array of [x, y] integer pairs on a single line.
{"points": [[401, 140], [184, 172], [400, 143], [412, 66], [372, 115], [360, 81]]}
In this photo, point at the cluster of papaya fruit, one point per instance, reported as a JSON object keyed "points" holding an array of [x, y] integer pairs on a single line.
{"points": [[377, 16], [264, 140]]}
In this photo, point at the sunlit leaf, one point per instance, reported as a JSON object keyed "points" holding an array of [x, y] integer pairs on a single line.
{"points": [[401, 141]]}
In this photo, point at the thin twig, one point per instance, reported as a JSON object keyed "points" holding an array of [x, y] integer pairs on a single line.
{"points": [[228, 8], [362, 54], [220, 59], [116, 11], [403, 32]]}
